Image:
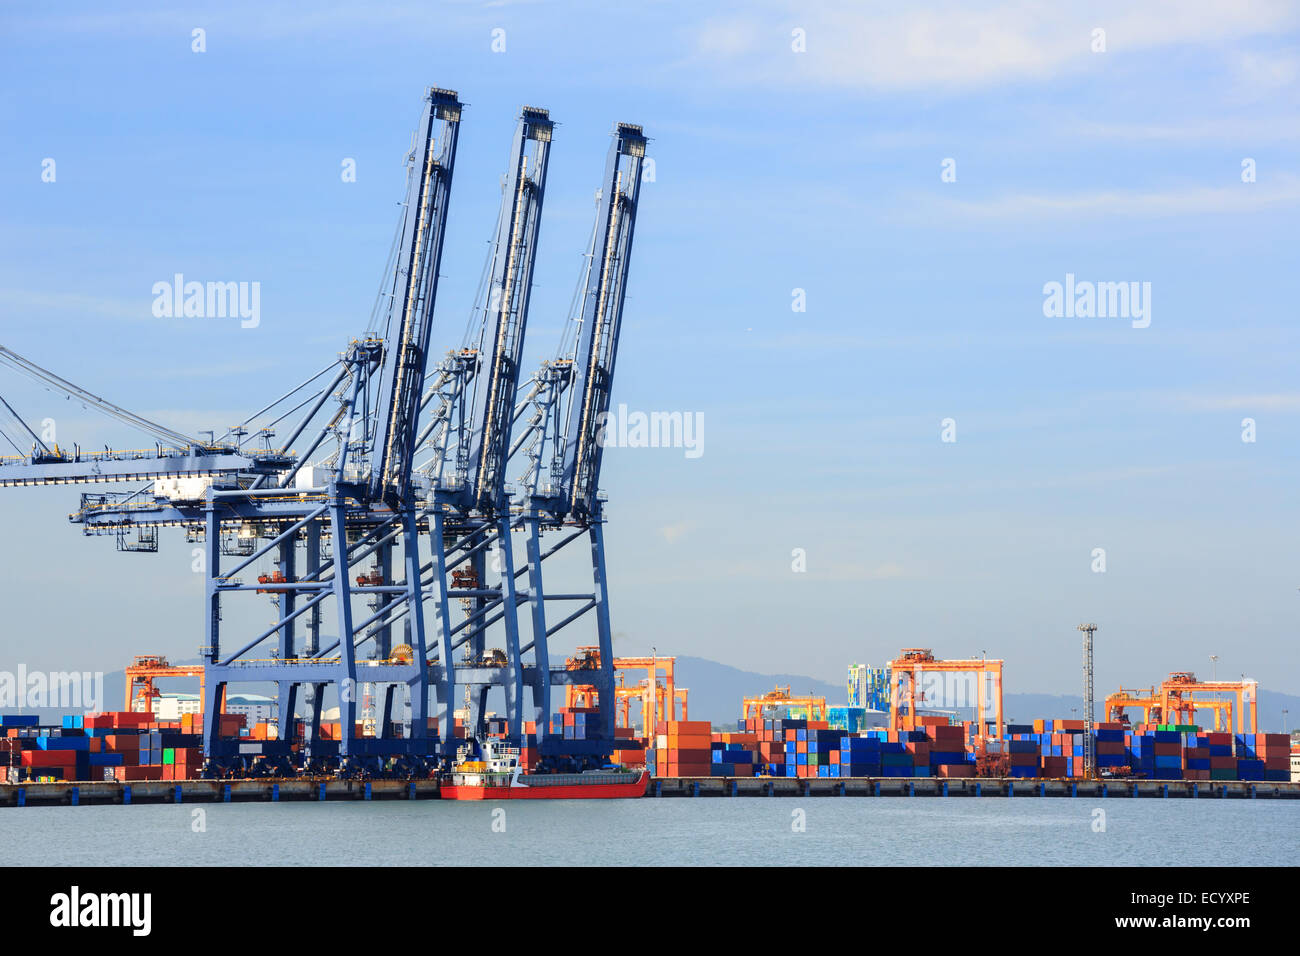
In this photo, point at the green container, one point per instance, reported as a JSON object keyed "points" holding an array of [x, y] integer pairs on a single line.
{"points": [[169, 756], [1227, 773], [813, 760]]}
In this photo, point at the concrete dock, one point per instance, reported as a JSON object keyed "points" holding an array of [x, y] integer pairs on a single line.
{"points": [[93, 793], [967, 787]]}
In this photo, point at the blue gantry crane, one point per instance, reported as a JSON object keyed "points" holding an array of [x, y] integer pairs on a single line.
{"points": [[341, 523]]}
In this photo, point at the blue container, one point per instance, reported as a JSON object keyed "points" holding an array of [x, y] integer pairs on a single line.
{"points": [[1022, 747], [1023, 771], [1250, 770], [937, 758], [63, 743]]}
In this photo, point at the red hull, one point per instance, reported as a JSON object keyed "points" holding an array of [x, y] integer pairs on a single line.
{"points": [[577, 791]]}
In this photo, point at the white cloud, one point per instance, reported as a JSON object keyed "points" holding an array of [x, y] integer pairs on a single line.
{"points": [[1235, 198], [35, 303], [1223, 129], [1266, 72], [673, 532], [955, 45], [1274, 402]]}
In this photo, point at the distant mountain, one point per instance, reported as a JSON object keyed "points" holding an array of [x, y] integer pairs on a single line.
{"points": [[716, 690]]}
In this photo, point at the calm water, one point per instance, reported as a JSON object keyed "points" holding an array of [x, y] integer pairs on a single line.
{"points": [[746, 831]]}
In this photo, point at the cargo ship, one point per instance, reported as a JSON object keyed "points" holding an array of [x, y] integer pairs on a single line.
{"points": [[498, 775]]}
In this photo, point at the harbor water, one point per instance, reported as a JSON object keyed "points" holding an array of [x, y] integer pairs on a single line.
{"points": [[747, 832]]}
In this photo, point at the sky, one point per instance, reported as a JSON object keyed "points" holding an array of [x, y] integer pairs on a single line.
{"points": [[841, 261]]}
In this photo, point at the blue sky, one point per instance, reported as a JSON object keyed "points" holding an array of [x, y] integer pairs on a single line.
{"points": [[775, 170]]}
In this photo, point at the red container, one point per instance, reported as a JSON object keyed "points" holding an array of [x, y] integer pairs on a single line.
{"points": [[48, 758], [957, 770], [128, 774]]}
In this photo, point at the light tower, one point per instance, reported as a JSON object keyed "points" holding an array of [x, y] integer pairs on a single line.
{"points": [[1089, 748]]}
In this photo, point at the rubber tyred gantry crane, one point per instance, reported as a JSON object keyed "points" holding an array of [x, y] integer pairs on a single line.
{"points": [[144, 669], [1183, 694], [783, 700], [912, 662]]}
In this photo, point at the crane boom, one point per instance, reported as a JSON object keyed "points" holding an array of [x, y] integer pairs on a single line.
{"points": [[49, 379], [602, 313], [513, 257], [411, 302]]}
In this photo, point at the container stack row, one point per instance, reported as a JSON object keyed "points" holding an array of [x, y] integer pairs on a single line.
{"points": [[1045, 749], [111, 746]]}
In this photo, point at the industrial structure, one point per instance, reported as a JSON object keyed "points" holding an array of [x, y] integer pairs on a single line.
{"points": [[1178, 698], [1089, 632], [145, 669], [868, 687], [659, 700], [779, 701], [907, 672], [369, 537]]}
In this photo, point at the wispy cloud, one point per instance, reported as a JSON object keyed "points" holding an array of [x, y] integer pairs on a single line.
{"points": [[1277, 401], [671, 533], [1191, 200], [957, 45], [24, 300]]}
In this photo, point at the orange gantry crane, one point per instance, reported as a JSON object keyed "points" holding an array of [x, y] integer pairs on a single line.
{"points": [[778, 699], [912, 662], [1146, 698], [659, 701], [1178, 699], [652, 708], [145, 668], [1184, 695]]}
